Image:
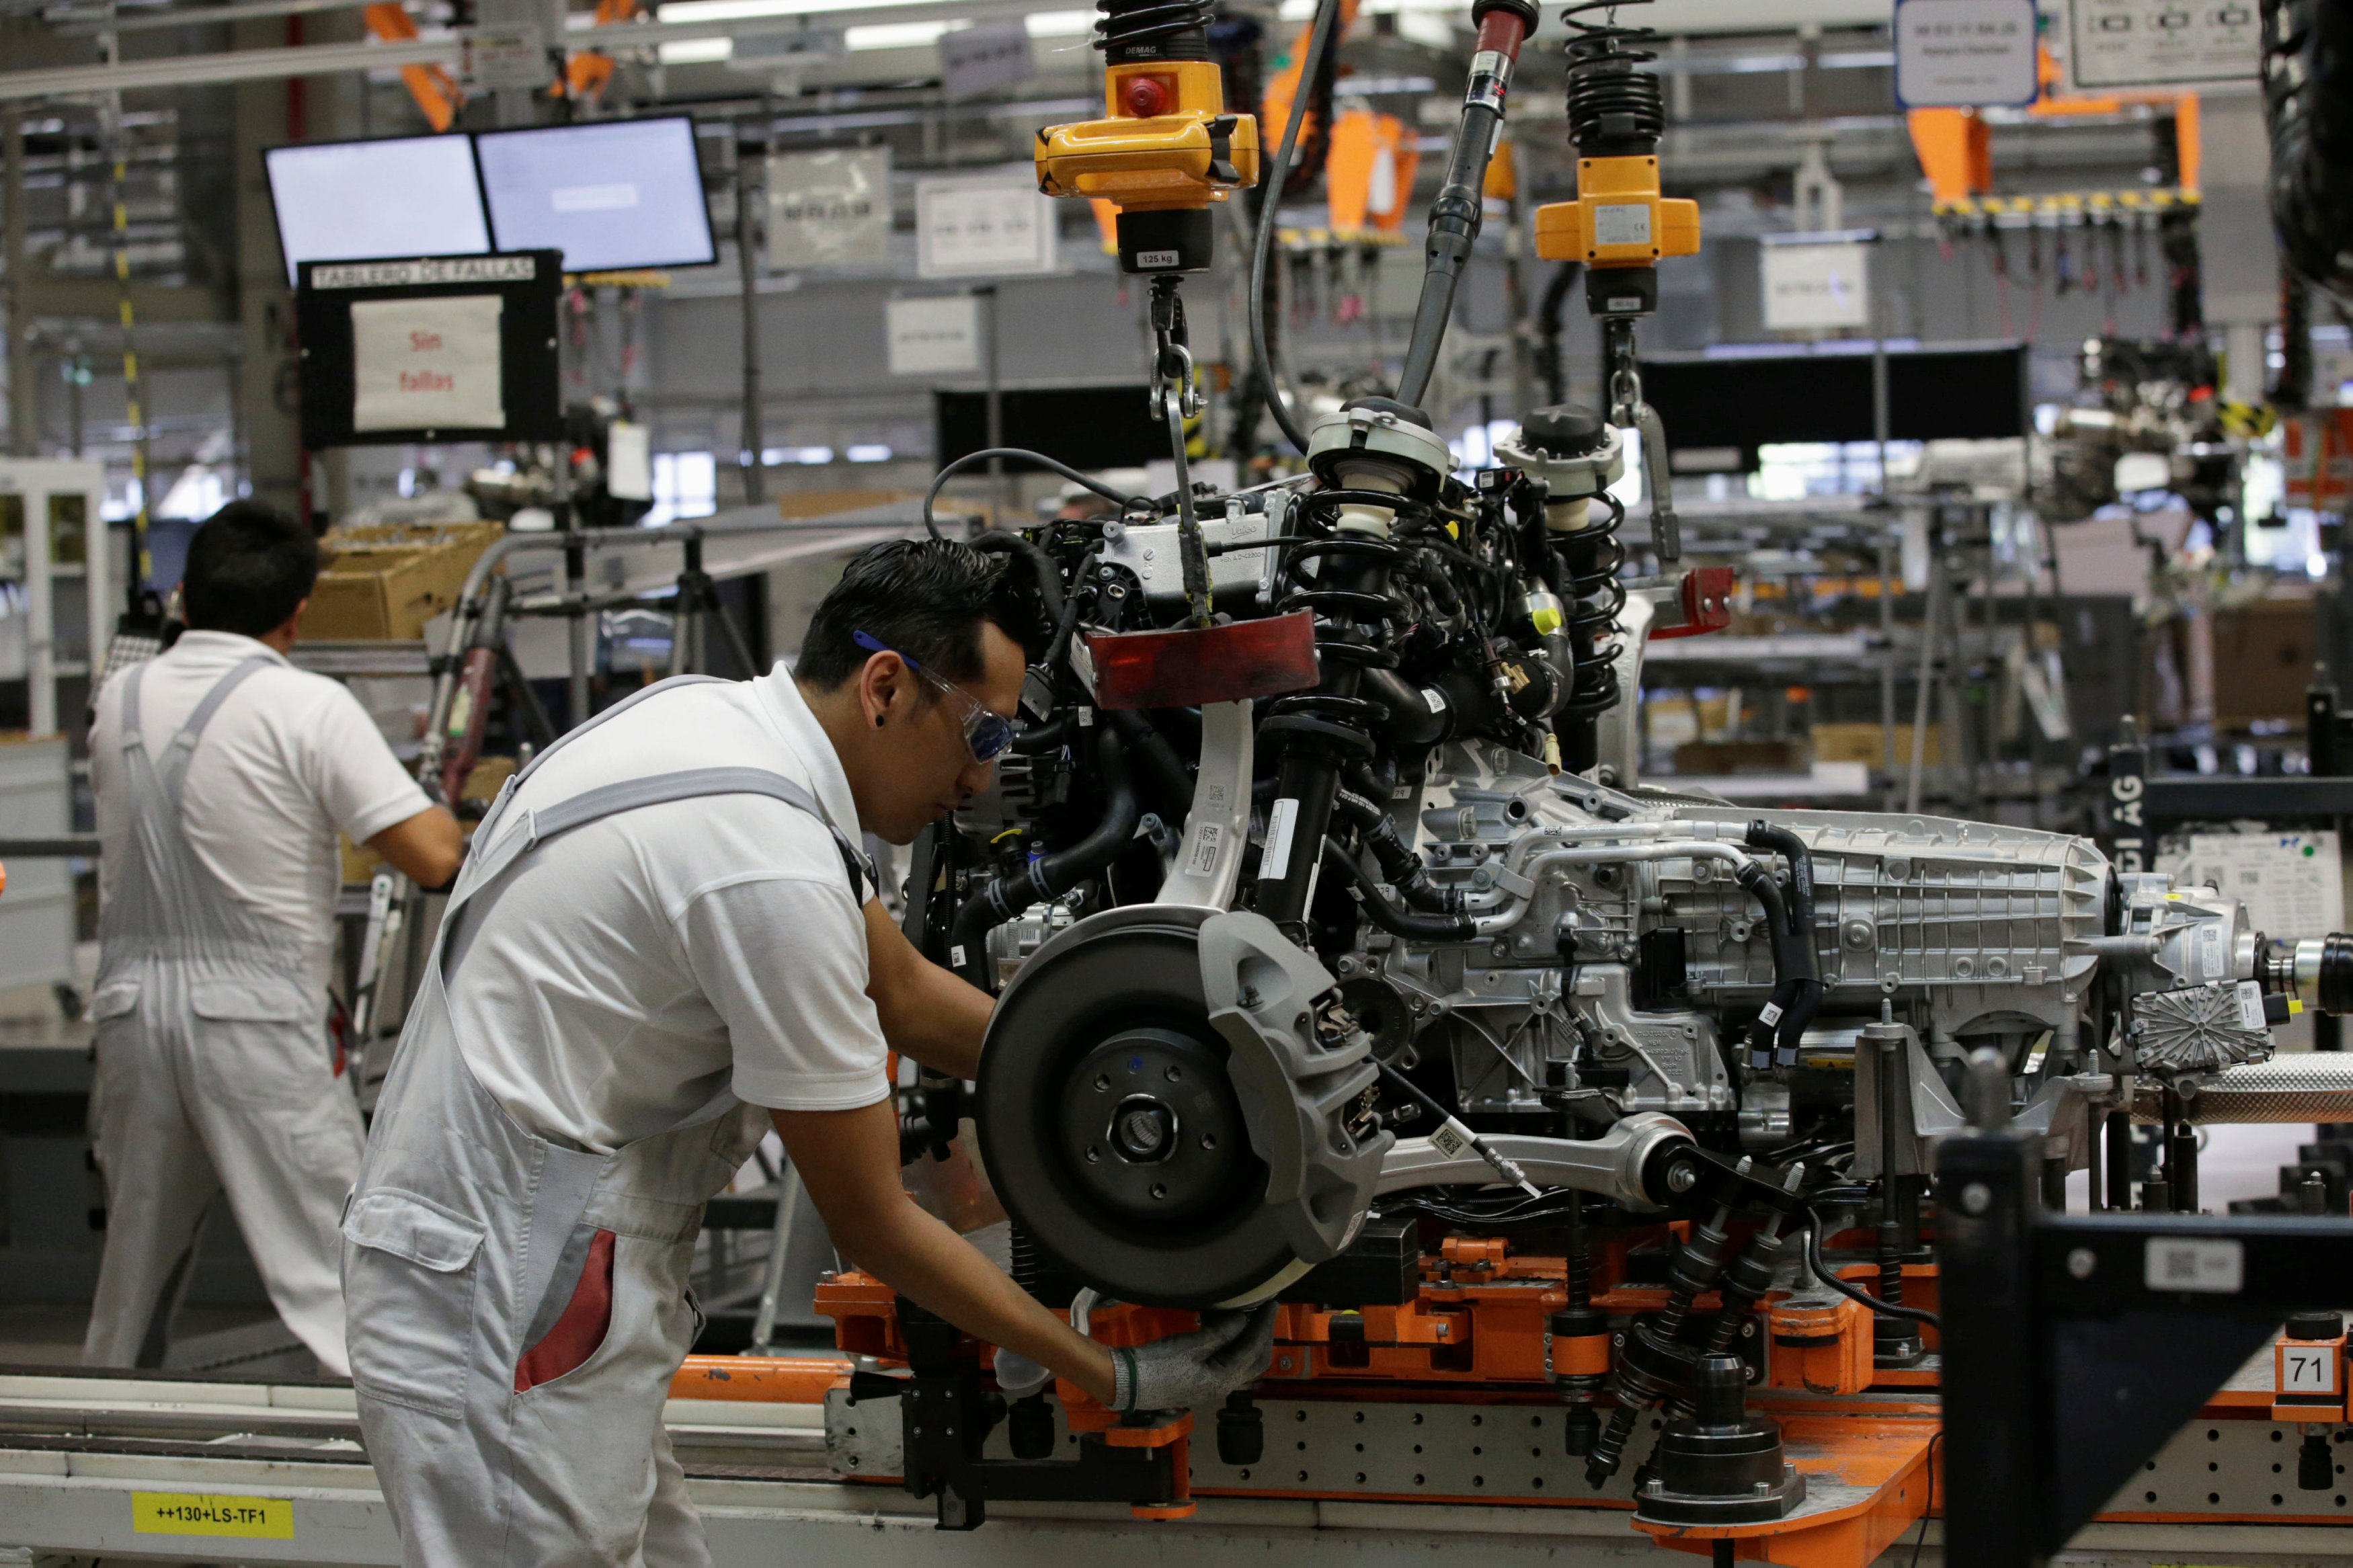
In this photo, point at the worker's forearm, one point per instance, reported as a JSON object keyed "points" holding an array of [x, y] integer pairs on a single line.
{"points": [[938, 1020], [924, 1260]]}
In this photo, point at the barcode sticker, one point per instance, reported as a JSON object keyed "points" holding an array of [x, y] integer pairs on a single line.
{"points": [[955, 955], [1206, 839], [1274, 862], [2251, 1005], [2182, 1263], [1769, 1014], [1452, 1139]]}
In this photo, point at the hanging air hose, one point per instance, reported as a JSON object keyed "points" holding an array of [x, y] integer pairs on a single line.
{"points": [[1281, 400], [1504, 25]]}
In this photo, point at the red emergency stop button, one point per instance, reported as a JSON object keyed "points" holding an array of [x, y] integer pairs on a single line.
{"points": [[1145, 96]]}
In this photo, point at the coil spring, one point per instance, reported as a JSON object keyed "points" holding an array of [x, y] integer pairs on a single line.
{"points": [[1613, 107], [1596, 595], [1337, 609], [1154, 29]]}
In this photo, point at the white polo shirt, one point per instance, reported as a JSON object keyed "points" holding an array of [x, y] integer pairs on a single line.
{"points": [[650, 969], [288, 760]]}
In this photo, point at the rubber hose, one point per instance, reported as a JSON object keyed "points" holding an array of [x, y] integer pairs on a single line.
{"points": [[1067, 623], [1411, 721], [1049, 736], [1399, 864], [1050, 876], [1000, 541], [1806, 970], [1165, 777], [1783, 944], [1389, 916]]}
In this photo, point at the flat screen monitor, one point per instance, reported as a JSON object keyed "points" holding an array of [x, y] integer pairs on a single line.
{"points": [[608, 194], [1089, 428], [376, 200], [1720, 407]]}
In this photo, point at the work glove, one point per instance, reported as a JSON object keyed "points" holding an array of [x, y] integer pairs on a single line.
{"points": [[1019, 1377], [1195, 1370]]}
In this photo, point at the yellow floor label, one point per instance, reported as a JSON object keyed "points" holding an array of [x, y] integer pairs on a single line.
{"points": [[209, 1514]]}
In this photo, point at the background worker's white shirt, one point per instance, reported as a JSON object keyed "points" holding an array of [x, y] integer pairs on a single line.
{"points": [[290, 758], [650, 969]]}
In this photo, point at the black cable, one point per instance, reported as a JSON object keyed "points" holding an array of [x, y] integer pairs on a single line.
{"points": [[1279, 397], [1922, 1540], [1855, 1293], [1068, 472]]}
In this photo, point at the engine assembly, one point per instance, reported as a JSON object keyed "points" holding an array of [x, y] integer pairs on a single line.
{"points": [[1346, 961]]}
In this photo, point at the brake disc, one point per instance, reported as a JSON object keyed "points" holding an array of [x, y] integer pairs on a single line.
{"points": [[1142, 1147]]}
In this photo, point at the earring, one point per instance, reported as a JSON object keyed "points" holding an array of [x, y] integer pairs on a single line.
{"points": [[877, 720]]}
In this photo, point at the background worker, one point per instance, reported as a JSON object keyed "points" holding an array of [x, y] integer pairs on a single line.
{"points": [[223, 774], [664, 943]]}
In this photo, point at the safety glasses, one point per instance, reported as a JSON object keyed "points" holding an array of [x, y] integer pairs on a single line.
{"points": [[986, 734]]}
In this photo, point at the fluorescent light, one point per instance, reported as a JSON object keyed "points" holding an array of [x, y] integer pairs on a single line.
{"points": [[697, 51], [1059, 24], [897, 34], [869, 454], [743, 10]]}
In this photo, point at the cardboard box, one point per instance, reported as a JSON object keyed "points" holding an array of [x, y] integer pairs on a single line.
{"points": [[1713, 759], [1863, 743], [2263, 654], [383, 582]]}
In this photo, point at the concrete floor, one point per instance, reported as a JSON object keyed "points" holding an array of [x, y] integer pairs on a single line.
{"points": [[50, 1336]]}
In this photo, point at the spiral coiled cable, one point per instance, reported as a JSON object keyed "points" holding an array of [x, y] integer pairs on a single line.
{"points": [[1615, 108], [1132, 30]]}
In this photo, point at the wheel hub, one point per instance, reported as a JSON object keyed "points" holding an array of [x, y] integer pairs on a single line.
{"points": [[1151, 1125]]}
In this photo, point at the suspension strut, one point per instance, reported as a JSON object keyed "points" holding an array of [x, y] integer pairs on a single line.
{"points": [[1573, 456], [1379, 465]]}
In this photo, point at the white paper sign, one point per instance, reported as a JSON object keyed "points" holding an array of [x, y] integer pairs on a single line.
{"points": [[1817, 287], [939, 335], [1964, 53], [2162, 43], [426, 364], [983, 226], [629, 461], [985, 58], [2291, 883], [499, 60], [830, 208]]}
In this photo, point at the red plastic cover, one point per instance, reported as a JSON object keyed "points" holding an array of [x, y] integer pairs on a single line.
{"points": [[1186, 668], [1706, 602]]}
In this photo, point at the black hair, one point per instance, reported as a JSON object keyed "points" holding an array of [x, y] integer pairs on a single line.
{"points": [[926, 598], [248, 566]]}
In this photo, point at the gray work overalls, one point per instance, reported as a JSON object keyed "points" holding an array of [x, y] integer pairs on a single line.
{"points": [[214, 1074], [510, 1398]]}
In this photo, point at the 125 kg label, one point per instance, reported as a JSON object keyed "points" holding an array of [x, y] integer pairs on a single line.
{"points": [[209, 1513]]}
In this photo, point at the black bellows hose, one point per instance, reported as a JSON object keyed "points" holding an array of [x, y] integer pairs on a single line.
{"points": [[1399, 864], [1049, 877], [1389, 916]]}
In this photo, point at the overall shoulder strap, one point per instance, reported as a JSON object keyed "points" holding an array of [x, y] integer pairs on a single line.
{"points": [[492, 817], [537, 827], [183, 745]]}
